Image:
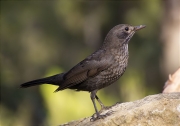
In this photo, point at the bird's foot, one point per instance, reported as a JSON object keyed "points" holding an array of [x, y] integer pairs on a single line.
{"points": [[98, 116], [94, 117]]}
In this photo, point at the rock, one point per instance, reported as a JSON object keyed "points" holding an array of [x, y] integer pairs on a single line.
{"points": [[153, 110], [173, 83]]}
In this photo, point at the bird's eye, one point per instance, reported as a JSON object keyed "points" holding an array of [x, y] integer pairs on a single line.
{"points": [[126, 28]]}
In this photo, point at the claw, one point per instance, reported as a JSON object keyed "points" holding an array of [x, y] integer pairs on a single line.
{"points": [[96, 117]]}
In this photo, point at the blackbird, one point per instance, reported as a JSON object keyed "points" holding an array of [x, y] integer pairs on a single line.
{"points": [[98, 70]]}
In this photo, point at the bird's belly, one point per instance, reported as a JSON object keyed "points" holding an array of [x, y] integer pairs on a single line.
{"points": [[112, 74], [103, 79]]}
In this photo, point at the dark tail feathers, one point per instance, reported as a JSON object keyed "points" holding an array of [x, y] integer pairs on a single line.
{"points": [[54, 80]]}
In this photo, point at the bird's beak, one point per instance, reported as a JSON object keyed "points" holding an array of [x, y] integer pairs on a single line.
{"points": [[136, 28]]}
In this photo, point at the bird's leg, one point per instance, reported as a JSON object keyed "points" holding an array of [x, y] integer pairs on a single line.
{"points": [[103, 107], [93, 94], [98, 116]]}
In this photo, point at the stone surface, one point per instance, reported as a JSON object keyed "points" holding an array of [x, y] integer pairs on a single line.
{"points": [[153, 110]]}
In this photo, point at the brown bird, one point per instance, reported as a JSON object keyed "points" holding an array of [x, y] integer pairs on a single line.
{"points": [[98, 70]]}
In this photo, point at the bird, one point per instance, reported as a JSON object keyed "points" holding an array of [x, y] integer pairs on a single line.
{"points": [[99, 70]]}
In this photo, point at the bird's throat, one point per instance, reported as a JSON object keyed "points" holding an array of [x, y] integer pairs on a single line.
{"points": [[129, 37]]}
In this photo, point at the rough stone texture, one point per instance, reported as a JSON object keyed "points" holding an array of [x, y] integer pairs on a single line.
{"points": [[153, 110]]}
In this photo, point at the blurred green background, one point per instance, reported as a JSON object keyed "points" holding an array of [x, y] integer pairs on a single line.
{"points": [[42, 38]]}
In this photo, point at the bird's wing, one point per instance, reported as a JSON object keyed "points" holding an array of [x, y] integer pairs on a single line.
{"points": [[89, 67]]}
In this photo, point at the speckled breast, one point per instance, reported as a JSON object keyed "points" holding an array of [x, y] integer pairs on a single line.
{"points": [[112, 73], [116, 70]]}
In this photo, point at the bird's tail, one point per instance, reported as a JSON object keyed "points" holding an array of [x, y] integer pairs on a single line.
{"points": [[54, 80]]}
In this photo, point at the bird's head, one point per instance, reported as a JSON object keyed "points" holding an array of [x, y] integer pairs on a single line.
{"points": [[121, 34]]}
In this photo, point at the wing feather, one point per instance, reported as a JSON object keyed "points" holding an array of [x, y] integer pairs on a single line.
{"points": [[89, 67]]}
